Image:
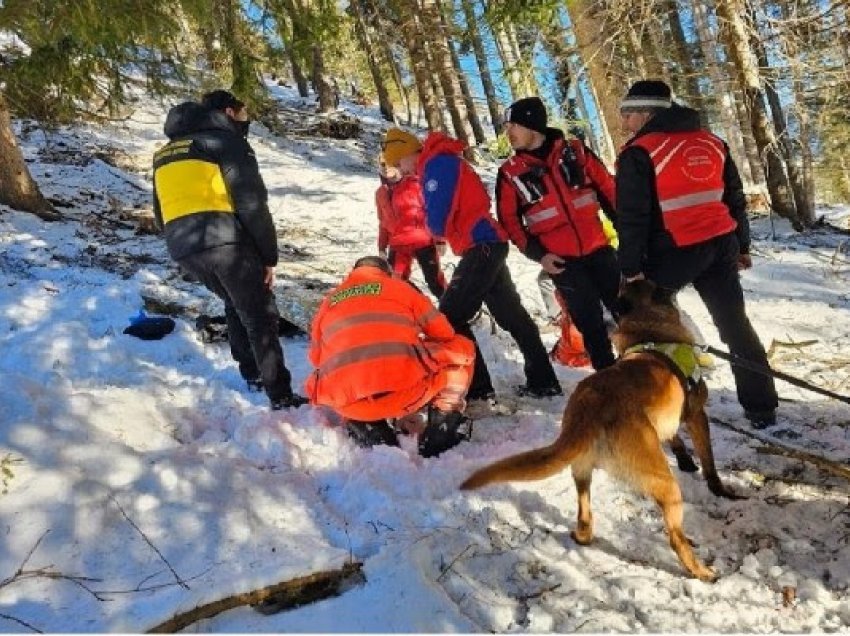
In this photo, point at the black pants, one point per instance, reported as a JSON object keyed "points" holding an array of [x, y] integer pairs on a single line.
{"points": [[234, 273], [712, 267], [587, 283], [482, 277], [429, 261]]}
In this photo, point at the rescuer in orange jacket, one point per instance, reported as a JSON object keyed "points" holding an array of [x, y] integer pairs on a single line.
{"points": [[682, 219], [548, 197], [383, 351]]}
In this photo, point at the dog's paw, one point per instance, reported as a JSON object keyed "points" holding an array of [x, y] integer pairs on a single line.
{"points": [[706, 574], [582, 537], [686, 463], [717, 488]]}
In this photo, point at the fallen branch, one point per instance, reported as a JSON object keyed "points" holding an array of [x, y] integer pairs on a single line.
{"points": [[776, 344], [772, 447], [821, 462], [21, 622], [177, 578], [280, 596]]}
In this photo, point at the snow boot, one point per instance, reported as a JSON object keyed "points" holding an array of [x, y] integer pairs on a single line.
{"points": [[444, 431], [524, 390], [369, 434], [288, 401]]}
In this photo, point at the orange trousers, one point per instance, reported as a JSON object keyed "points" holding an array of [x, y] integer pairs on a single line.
{"points": [[445, 388], [569, 350]]}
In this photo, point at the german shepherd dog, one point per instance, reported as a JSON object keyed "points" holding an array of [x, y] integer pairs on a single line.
{"points": [[617, 418]]}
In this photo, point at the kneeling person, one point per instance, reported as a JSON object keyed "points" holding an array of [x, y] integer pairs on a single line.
{"points": [[382, 351]]}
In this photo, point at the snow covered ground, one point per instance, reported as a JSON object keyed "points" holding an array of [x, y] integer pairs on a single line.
{"points": [[145, 480]]}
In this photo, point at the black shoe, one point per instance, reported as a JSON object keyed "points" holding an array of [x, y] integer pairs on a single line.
{"points": [[290, 401], [761, 418], [525, 390], [444, 431], [369, 434], [255, 385], [486, 395]]}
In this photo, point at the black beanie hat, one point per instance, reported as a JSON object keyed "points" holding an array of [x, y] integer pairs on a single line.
{"points": [[528, 112], [647, 94], [221, 99]]}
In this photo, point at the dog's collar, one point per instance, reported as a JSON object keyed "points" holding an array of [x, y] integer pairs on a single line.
{"points": [[683, 359]]}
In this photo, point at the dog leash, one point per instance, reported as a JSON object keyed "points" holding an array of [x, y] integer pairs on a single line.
{"points": [[749, 365]]}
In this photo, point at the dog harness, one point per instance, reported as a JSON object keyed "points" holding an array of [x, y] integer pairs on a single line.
{"points": [[683, 359]]}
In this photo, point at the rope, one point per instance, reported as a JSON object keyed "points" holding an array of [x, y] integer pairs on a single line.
{"points": [[749, 365]]}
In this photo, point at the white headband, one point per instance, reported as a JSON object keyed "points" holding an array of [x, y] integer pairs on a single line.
{"points": [[645, 102]]}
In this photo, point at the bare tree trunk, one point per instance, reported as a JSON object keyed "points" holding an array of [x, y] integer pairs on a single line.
{"points": [[325, 91], [471, 110], [733, 116], [523, 51], [780, 124], [781, 196], [555, 43], [510, 63], [419, 64], [597, 54], [483, 64], [444, 70], [385, 103], [17, 187], [686, 80], [297, 74]]}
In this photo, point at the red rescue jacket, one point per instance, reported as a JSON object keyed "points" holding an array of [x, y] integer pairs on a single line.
{"points": [[537, 204], [689, 182], [457, 205], [401, 215], [367, 339]]}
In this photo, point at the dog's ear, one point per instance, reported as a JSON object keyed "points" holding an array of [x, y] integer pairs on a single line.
{"points": [[664, 296]]}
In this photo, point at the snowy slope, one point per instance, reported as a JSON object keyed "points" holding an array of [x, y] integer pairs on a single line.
{"points": [[147, 461]]}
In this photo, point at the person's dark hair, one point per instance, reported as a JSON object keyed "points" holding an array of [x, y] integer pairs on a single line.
{"points": [[221, 99], [374, 261]]}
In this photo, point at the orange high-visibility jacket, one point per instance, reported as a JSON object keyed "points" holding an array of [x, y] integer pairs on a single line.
{"points": [[367, 339]]}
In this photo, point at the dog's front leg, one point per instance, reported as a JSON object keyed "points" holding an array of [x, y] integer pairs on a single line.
{"points": [[583, 534], [697, 423], [683, 457]]}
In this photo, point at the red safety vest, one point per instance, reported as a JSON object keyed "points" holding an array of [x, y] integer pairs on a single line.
{"points": [[565, 218], [689, 181]]}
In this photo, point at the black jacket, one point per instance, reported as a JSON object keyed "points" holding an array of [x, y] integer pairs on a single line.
{"points": [[639, 222], [207, 186]]}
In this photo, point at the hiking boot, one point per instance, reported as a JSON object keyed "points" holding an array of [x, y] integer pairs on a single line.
{"points": [[369, 434], [486, 395], [761, 418], [444, 431], [524, 390], [255, 385], [289, 401]]}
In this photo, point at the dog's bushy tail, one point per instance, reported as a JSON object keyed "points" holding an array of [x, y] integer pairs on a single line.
{"points": [[534, 464]]}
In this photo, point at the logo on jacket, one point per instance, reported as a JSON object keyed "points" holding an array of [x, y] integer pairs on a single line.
{"points": [[431, 185], [367, 289]]}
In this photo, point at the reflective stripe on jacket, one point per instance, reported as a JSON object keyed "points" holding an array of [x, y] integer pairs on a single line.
{"points": [[534, 198], [367, 339], [689, 183]]}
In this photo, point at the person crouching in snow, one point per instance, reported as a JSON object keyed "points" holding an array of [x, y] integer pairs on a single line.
{"points": [[382, 351], [402, 233]]}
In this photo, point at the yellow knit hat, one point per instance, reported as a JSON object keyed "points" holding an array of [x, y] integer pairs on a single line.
{"points": [[399, 144]]}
